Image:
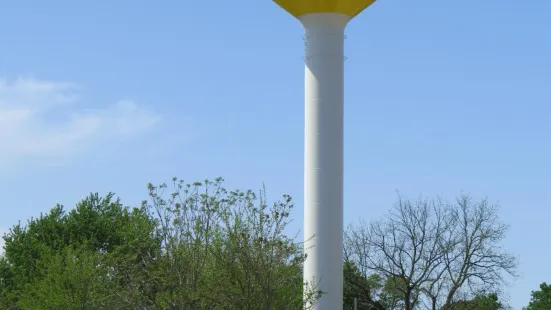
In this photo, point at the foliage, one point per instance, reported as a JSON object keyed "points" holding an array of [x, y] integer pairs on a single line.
{"points": [[200, 247], [360, 287], [481, 302], [211, 235], [71, 279], [541, 299]]}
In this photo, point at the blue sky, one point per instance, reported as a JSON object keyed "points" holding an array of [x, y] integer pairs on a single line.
{"points": [[441, 97]]}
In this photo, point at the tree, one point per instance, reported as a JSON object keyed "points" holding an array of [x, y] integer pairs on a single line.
{"points": [[481, 302], [473, 256], [392, 293], [432, 252], [97, 228], [541, 299], [404, 247], [200, 247], [229, 247], [72, 279], [360, 288]]}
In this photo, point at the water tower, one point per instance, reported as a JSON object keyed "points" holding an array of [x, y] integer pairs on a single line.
{"points": [[324, 22]]}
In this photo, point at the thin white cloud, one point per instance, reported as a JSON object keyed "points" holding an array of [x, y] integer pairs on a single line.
{"points": [[44, 119]]}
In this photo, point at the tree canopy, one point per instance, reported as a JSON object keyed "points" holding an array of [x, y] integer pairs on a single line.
{"points": [[202, 246], [197, 247], [540, 299]]}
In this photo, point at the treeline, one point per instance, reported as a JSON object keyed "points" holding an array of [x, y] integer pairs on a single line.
{"points": [[200, 246]]}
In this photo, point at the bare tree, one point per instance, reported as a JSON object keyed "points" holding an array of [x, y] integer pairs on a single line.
{"points": [[404, 247], [433, 253], [476, 262]]}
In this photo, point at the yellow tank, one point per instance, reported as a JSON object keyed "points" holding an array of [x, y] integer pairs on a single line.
{"points": [[346, 7]]}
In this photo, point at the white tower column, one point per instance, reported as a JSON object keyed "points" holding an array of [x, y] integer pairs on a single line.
{"points": [[323, 155]]}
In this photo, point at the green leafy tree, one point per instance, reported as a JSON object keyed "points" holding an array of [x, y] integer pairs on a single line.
{"points": [[481, 302], [541, 299], [229, 247], [393, 293], [360, 289], [99, 227], [71, 279], [24, 247], [200, 247]]}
